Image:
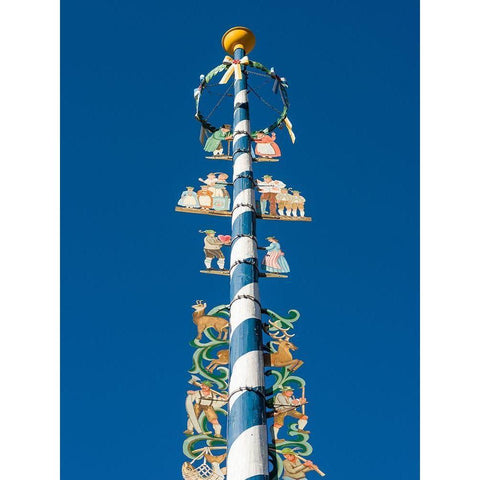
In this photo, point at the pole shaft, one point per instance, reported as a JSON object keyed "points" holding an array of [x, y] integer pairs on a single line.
{"points": [[247, 431]]}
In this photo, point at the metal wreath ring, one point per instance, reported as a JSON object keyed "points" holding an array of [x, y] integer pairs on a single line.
{"points": [[258, 66]]}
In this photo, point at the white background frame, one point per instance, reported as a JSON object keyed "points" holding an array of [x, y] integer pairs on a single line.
{"points": [[29, 240]]}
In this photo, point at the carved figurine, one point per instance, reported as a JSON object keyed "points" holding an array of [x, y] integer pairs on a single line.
{"points": [[221, 197], [214, 142], [283, 356], [284, 201], [203, 322], [204, 472], [213, 248], [275, 261], [294, 468], [204, 400], [217, 187], [268, 191], [297, 202], [210, 181], [223, 357], [285, 405], [205, 198], [189, 199], [265, 145]]}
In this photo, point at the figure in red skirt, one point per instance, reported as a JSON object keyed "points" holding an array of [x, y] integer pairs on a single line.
{"points": [[265, 145]]}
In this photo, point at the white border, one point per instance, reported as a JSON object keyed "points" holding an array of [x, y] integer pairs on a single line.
{"points": [[29, 219], [450, 243], [29, 240]]}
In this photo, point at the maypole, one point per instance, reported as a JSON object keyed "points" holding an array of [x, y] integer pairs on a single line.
{"points": [[247, 432], [230, 404]]}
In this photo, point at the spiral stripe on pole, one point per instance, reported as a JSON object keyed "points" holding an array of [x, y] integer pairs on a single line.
{"points": [[247, 432]]}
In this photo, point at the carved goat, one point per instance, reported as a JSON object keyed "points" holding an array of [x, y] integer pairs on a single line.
{"points": [[203, 322]]}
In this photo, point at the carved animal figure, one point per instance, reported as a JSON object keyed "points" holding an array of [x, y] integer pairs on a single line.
{"points": [[282, 357], [223, 357], [203, 321], [189, 472]]}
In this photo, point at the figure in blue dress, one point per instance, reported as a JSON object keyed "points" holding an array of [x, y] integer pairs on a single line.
{"points": [[189, 199], [275, 261]]}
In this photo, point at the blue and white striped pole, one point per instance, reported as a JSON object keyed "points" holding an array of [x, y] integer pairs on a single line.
{"points": [[247, 432]]}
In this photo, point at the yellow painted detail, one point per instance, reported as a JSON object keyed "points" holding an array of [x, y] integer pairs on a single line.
{"points": [[235, 67], [238, 37]]}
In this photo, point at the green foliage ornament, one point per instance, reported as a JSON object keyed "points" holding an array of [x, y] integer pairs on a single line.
{"points": [[279, 85]]}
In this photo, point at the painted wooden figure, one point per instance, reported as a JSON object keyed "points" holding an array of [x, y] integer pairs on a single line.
{"points": [[209, 181], [205, 198], [284, 202], [269, 189], [204, 400], [297, 203], [203, 472], [213, 248], [204, 322], [285, 405], [214, 142], [217, 187], [275, 261], [294, 468], [189, 199], [265, 145], [221, 197]]}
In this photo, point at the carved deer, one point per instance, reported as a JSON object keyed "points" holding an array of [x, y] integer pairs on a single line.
{"points": [[223, 357], [282, 357], [203, 321]]}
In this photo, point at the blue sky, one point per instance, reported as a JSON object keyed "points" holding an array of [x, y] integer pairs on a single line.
{"points": [[130, 263]]}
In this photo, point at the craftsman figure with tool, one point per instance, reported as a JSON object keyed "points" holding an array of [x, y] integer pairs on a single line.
{"points": [[294, 469], [204, 400], [285, 405]]}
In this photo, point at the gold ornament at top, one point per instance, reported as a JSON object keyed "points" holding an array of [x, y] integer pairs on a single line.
{"points": [[238, 37]]}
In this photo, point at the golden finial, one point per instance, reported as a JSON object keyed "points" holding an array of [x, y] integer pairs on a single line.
{"points": [[238, 37]]}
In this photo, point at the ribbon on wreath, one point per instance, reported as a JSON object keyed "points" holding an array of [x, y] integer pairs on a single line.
{"points": [[278, 81], [288, 124], [235, 66]]}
